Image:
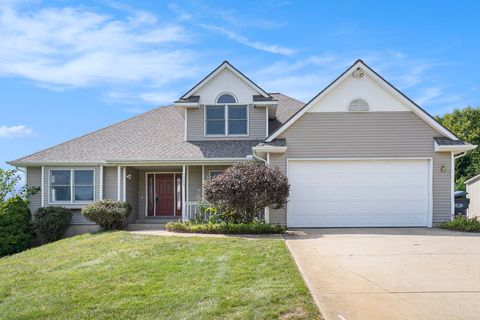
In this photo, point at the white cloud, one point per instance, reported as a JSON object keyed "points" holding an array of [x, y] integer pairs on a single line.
{"points": [[272, 48], [428, 94], [76, 47], [12, 132]]}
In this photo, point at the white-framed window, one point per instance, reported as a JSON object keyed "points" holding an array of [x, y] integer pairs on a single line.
{"points": [[213, 173], [226, 118], [71, 185]]}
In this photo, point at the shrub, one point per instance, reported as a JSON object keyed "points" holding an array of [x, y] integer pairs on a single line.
{"points": [[108, 214], [255, 227], [462, 224], [50, 223], [15, 233], [246, 188]]}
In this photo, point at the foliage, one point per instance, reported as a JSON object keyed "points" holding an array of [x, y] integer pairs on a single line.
{"points": [[15, 233], [245, 188], [108, 214], [462, 224], [120, 275], [9, 180], [50, 223], [255, 227], [465, 124]]}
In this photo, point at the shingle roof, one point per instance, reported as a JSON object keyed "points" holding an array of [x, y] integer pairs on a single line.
{"points": [[443, 141], [154, 135], [287, 107], [189, 99]]}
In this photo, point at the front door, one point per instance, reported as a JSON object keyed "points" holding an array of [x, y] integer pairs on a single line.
{"points": [[164, 194], [165, 199]]}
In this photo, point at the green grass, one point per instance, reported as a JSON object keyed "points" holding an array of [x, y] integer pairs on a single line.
{"points": [[120, 275], [462, 224]]}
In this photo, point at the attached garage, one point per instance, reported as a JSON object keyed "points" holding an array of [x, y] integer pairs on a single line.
{"points": [[360, 193]]}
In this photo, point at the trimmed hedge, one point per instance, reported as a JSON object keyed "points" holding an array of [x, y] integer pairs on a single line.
{"points": [[15, 232], [108, 214], [50, 223], [221, 227], [462, 224]]}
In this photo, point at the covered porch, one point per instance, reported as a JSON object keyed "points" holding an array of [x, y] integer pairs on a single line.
{"points": [[159, 193]]}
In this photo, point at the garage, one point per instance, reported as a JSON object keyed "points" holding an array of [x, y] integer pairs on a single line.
{"points": [[359, 193]]}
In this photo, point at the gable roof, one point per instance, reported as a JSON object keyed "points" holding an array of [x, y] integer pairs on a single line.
{"points": [[473, 179], [388, 86], [157, 135], [224, 65]]}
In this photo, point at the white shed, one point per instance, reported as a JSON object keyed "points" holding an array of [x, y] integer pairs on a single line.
{"points": [[473, 190]]}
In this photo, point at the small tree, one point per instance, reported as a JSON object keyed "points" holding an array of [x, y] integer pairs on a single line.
{"points": [[246, 188], [9, 180]]}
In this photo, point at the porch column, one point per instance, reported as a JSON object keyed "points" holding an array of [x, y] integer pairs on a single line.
{"points": [[101, 184], [267, 209], [124, 196], [119, 174], [184, 209]]}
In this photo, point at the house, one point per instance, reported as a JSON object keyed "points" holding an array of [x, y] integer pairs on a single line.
{"points": [[473, 191], [358, 154]]}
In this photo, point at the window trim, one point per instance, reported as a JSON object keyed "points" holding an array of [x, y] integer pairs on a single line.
{"points": [[72, 187], [214, 171], [226, 119]]}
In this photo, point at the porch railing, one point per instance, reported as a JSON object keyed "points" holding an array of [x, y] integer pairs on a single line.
{"points": [[192, 211]]}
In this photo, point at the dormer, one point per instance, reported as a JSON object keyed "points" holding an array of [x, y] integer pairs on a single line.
{"points": [[226, 105]]}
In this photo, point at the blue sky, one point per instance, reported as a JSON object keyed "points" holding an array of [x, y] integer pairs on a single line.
{"points": [[68, 68]]}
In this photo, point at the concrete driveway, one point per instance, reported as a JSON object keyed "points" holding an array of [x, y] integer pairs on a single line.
{"points": [[397, 273]]}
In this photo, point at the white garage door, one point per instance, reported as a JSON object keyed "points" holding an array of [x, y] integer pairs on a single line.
{"points": [[358, 193]]}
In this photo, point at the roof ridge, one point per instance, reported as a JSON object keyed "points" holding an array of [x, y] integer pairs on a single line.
{"points": [[95, 131]]}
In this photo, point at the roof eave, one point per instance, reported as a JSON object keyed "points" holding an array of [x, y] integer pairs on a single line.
{"points": [[454, 148]]}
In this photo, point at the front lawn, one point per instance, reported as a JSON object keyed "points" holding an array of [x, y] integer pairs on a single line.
{"points": [[128, 276]]}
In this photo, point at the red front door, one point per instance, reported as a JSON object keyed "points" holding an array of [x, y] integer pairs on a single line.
{"points": [[164, 186]]}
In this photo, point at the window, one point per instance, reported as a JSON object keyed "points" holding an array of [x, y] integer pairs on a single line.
{"points": [[226, 98], [214, 173], [71, 185], [237, 120], [215, 120], [358, 105], [60, 185], [83, 187], [226, 117]]}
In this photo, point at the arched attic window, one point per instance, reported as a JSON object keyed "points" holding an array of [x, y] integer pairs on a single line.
{"points": [[358, 105], [226, 98]]}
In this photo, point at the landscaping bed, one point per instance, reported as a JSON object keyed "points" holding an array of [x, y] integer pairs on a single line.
{"points": [[119, 275], [462, 224], [222, 227]]}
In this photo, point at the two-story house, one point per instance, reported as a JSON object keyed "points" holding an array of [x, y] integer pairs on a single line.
{"points": [[360, 153]]}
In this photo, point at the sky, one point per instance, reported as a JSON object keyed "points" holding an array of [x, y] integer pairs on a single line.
{"points": [[68, 68]]}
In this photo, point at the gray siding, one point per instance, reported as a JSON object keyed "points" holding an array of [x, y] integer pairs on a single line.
{"points": [[110, 177], [131, 194], [194, 191], [368, 135], [34, 179], [257, 125]]}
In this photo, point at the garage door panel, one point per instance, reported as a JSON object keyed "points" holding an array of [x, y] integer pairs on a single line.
{"points": [[364, 193]]}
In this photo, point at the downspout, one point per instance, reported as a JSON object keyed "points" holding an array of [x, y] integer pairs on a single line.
{"points": [[460, 155], [257, 157]]}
